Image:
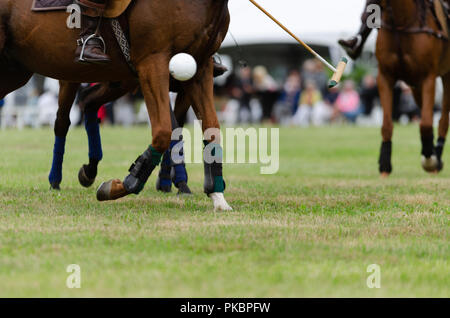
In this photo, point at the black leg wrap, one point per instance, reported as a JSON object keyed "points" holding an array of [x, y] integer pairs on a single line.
{"points": [[385, 157], [440, 147], [213, 174], [439, 150], [428, 146], [141, 170], [91, 168], [213, 178]]}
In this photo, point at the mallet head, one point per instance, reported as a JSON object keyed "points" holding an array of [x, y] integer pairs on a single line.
{"points": [[340, 69]]}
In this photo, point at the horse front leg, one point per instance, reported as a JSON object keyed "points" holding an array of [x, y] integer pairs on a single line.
{"points": [[67, 94], [386, 86], [154, 80], [91, 99], [429, 159], [201, 94], [444, 121]]}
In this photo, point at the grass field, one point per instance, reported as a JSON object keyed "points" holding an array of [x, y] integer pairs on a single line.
{"points": [[309, 231]]}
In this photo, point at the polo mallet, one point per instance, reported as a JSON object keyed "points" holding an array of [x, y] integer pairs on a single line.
{"points": [[338, 71]]}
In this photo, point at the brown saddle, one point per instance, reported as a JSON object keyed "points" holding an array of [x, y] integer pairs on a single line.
{"points": [[115, 7], [441, 12]]}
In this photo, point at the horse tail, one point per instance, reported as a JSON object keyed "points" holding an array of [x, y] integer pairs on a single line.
{"points": [[2, 34], [4, 20], [220, 18]]}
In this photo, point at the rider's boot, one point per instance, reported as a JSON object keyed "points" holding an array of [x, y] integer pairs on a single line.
{"points": [[91, 46], [355, 44], [219, 68]]}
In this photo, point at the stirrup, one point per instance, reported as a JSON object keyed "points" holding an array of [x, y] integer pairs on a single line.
{"points": [[217, 59], [358, 41], [82, 42]]}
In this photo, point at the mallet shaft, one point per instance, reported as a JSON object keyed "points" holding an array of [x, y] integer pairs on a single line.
{"points": [[306, 46]]}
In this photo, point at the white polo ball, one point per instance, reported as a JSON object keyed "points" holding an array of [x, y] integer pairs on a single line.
{"points": [[183, 67]]}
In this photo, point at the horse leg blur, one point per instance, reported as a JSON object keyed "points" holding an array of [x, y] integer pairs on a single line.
{"points": [[67, 94], [91, 99], [386, 86], [444, 121], [201, 94], [154, 80], [429, 158]]}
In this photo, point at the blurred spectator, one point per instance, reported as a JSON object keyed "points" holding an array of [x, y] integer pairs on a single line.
{"points": [[123, 111], [240, 92], [266, 90], [348, 102], [407, 104], [313, 71], [245, 85], [331, 96], [396, 114], [230, 114], [368, 93], [312, 108], [39, 84], [109, 111], [287, 104], [47, 102]]}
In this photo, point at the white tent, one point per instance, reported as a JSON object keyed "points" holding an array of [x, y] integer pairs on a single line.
{"points": [[319, 22]]}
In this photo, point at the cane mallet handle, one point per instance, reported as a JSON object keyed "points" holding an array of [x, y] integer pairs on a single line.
{"points": [[338, 72]]}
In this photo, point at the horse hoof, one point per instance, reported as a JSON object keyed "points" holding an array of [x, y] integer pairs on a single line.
{"points": [[84, 180], [385, 175], [220, 204], [431, 164], [55, 186], [183, 189], [111, 190], [167, 188]]}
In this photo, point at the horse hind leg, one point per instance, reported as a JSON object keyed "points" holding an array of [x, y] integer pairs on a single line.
{"points": [[91, 99], [444, 122], [67, 94], [201, 95], [386, 86], [429, 159]]}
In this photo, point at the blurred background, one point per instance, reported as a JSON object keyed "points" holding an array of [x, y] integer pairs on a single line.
{"points": [[271, 79]]}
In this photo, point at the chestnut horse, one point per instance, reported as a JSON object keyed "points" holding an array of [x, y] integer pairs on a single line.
{"points": [[412, 47], [41, 43]]}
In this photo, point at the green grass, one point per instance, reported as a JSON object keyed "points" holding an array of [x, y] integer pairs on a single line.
{"points": [[309, 231]]}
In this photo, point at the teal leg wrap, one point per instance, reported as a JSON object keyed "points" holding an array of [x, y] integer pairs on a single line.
{"points": [[141, 170], [213, 171]]}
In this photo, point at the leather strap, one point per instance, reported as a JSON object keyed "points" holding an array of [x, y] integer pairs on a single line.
{"points": [[92, 9]]}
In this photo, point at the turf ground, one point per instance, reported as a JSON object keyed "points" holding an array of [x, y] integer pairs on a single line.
{"points": [[309, 231]]}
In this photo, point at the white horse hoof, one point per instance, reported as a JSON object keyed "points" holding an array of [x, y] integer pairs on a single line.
{"points": [[430, 164], [219, 202]]}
